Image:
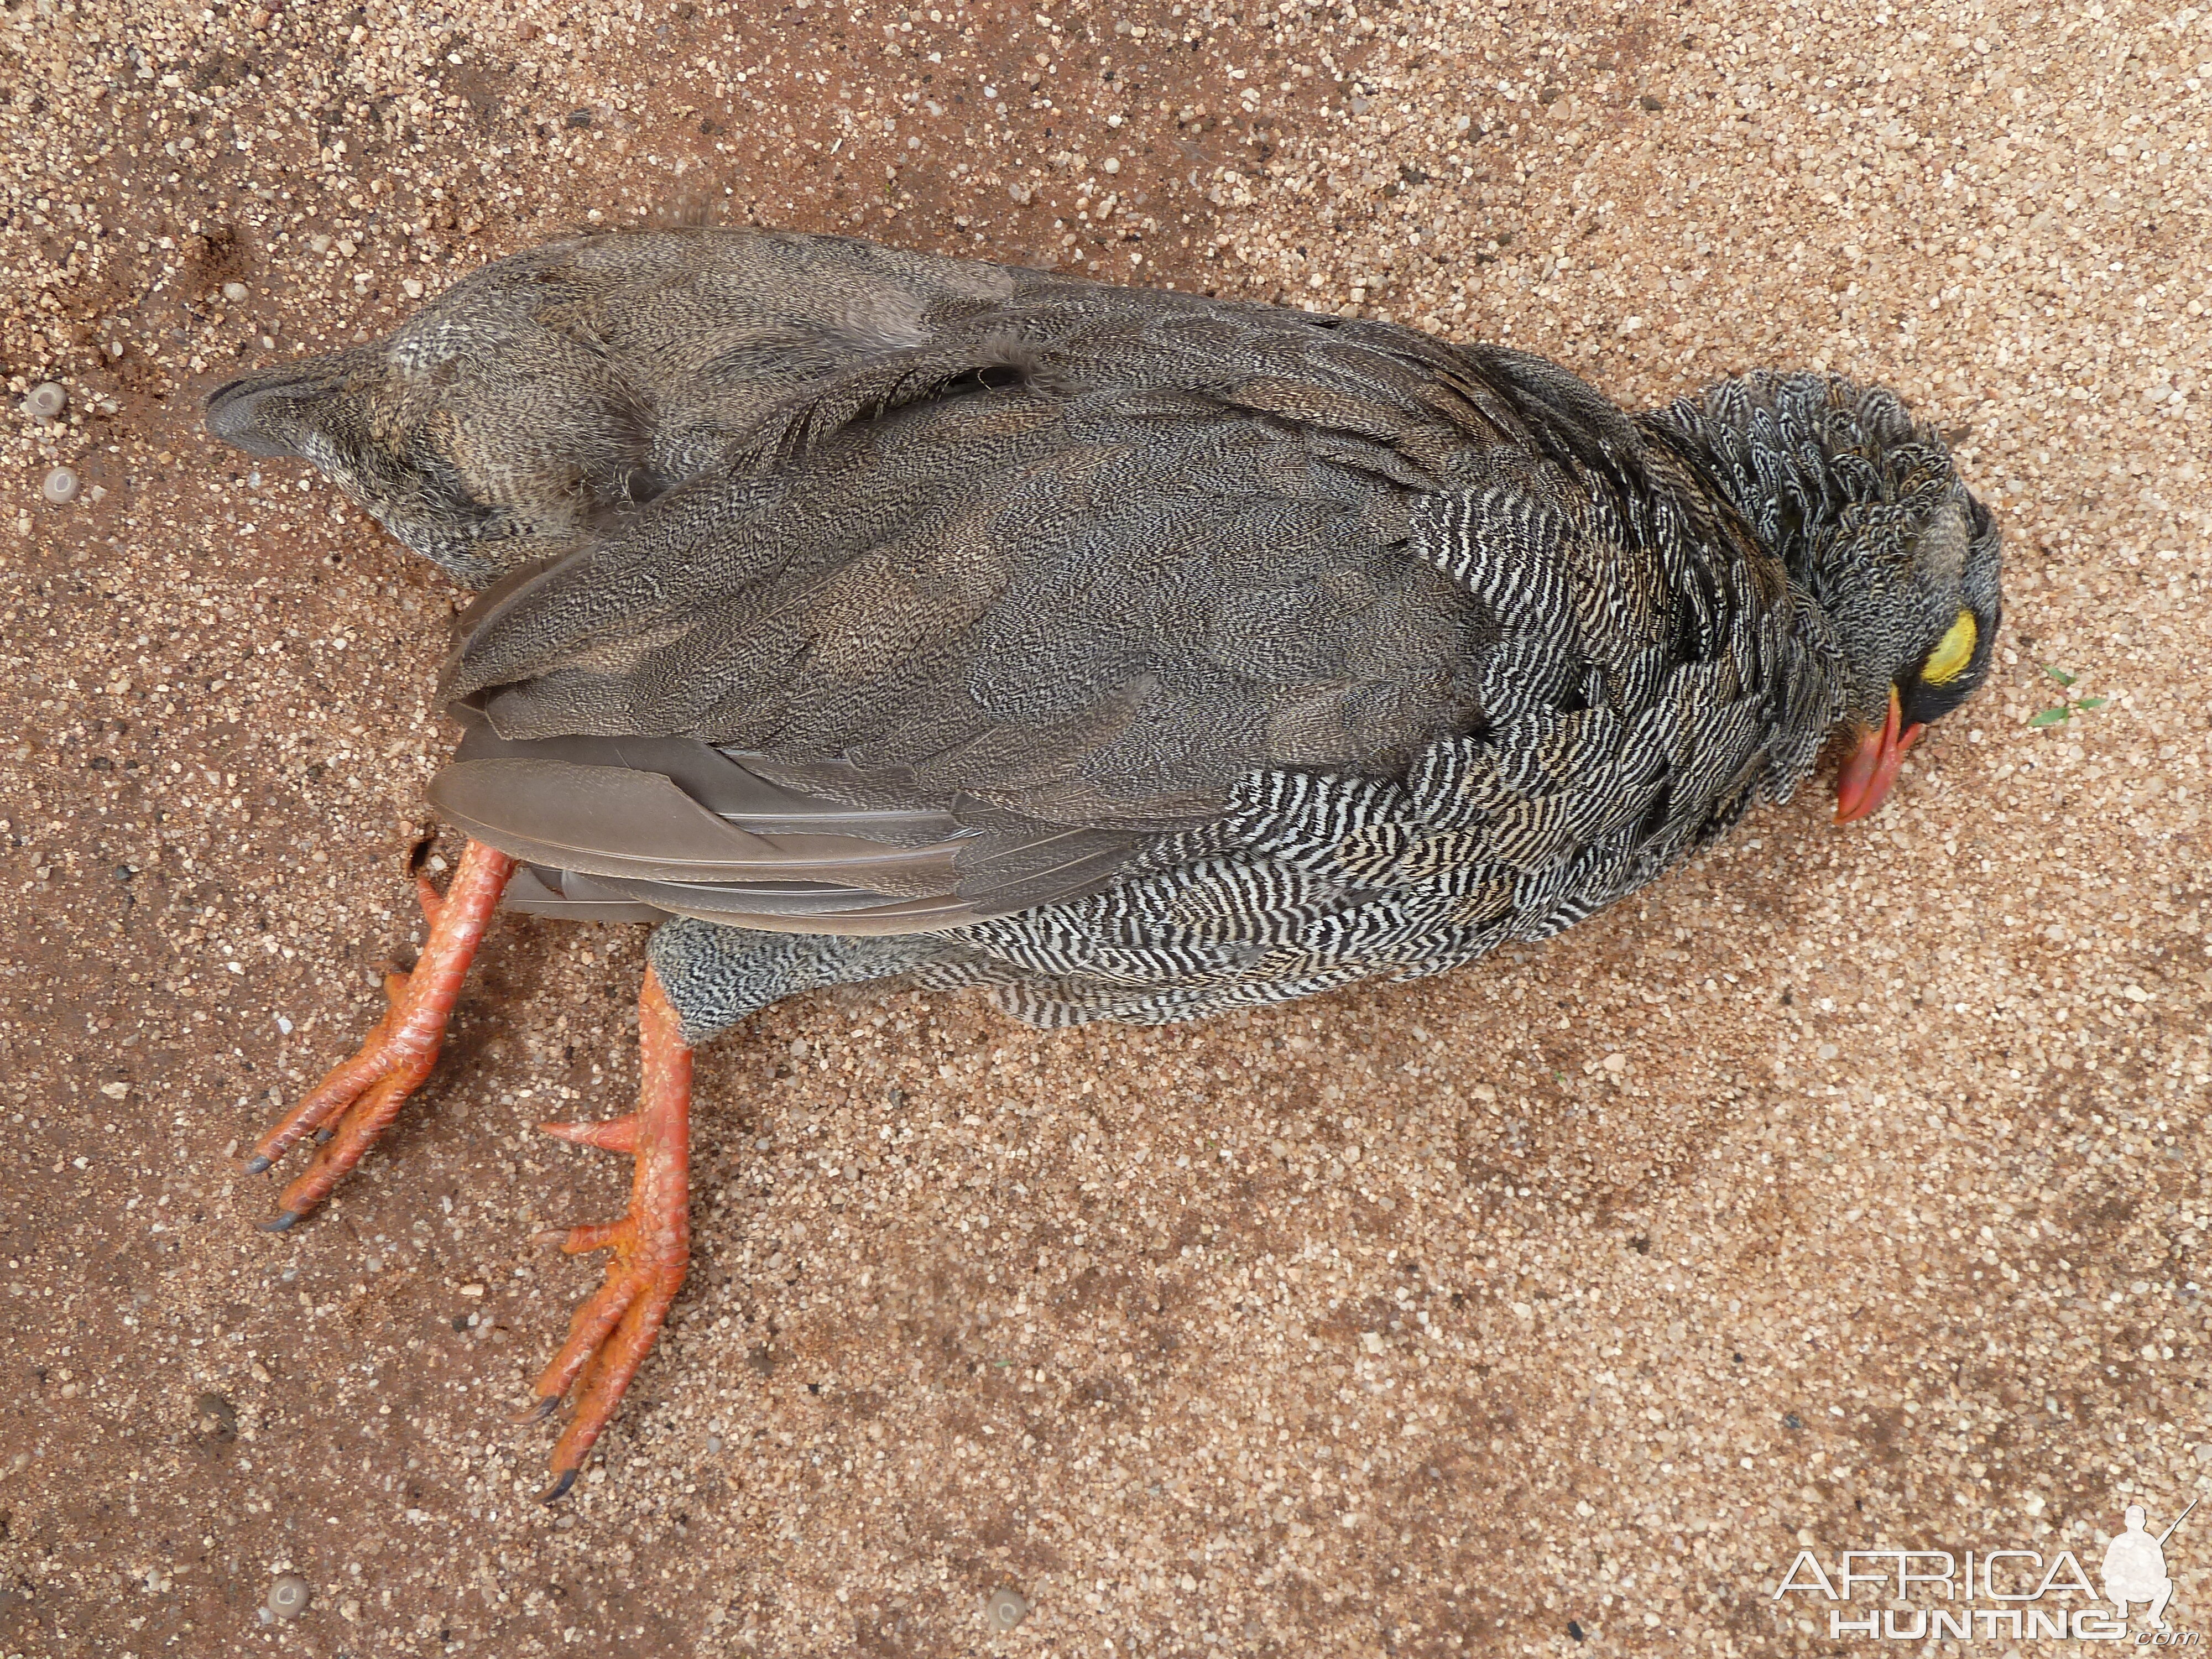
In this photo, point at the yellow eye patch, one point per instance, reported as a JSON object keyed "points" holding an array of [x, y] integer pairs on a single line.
{"points": [[1951, 654]]}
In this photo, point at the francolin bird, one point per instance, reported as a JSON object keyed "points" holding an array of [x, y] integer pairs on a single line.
{"points": [[859, 615]]}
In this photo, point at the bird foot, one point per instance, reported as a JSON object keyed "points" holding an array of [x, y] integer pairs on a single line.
{"points": [[357, 1102], [611, 1332]]}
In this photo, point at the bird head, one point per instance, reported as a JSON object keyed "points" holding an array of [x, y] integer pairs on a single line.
{"points": [[1863, 505]]}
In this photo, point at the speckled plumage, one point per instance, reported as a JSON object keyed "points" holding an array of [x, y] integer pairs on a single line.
{"points": [[1139, 654]]}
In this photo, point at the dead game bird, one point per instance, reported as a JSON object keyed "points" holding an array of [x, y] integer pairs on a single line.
{"points": [[861, 614]]}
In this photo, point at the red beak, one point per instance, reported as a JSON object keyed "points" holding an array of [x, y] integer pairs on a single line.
{"points": [[1864, 781]]}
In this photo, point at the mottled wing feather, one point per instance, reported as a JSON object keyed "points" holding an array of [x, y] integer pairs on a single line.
{"points": [[1090, 563]]}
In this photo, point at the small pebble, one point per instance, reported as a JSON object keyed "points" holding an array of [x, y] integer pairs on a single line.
{"points": [[319, 244], [45, 400], [235, 292], [60, 487], [288, 1596], [1006, 1608]]}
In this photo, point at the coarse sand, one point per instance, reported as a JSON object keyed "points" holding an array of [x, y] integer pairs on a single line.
{"points": [[1846, 1190]]}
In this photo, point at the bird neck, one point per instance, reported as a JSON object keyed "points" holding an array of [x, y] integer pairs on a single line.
{"points": [[1766, 443]]}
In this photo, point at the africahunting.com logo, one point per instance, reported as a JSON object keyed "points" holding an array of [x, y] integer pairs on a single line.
{"points": [[2000, 1595]]}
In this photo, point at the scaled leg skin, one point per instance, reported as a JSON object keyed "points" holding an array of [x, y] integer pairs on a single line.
{"points": [[365, 1094], [611, 1332]]}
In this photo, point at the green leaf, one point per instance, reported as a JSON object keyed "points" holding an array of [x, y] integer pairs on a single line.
{"points": [[2051, 717], [2058, 674], [2086, 704]]}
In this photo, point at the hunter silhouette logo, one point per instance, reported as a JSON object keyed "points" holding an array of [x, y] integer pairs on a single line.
{"points": [[2002, 1594], [2135, 1566]]}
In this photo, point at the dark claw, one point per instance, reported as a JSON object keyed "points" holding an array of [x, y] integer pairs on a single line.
{"points": [[536, 1412], [560, 1488], [418, 856], [284, 1222], [322, 1135], [256, 1165]]}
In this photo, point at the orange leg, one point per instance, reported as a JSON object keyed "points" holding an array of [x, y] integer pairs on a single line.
{"points": [[357, 1102], [609, 1335]]}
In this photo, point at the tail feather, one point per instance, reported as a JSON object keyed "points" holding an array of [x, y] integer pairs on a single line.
{"points": [[536, 403]]}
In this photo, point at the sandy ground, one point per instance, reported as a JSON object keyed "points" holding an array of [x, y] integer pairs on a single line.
{"points": [[1848, 1191]]}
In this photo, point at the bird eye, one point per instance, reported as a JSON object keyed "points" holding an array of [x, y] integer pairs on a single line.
{"points": [[1951, 654]]}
